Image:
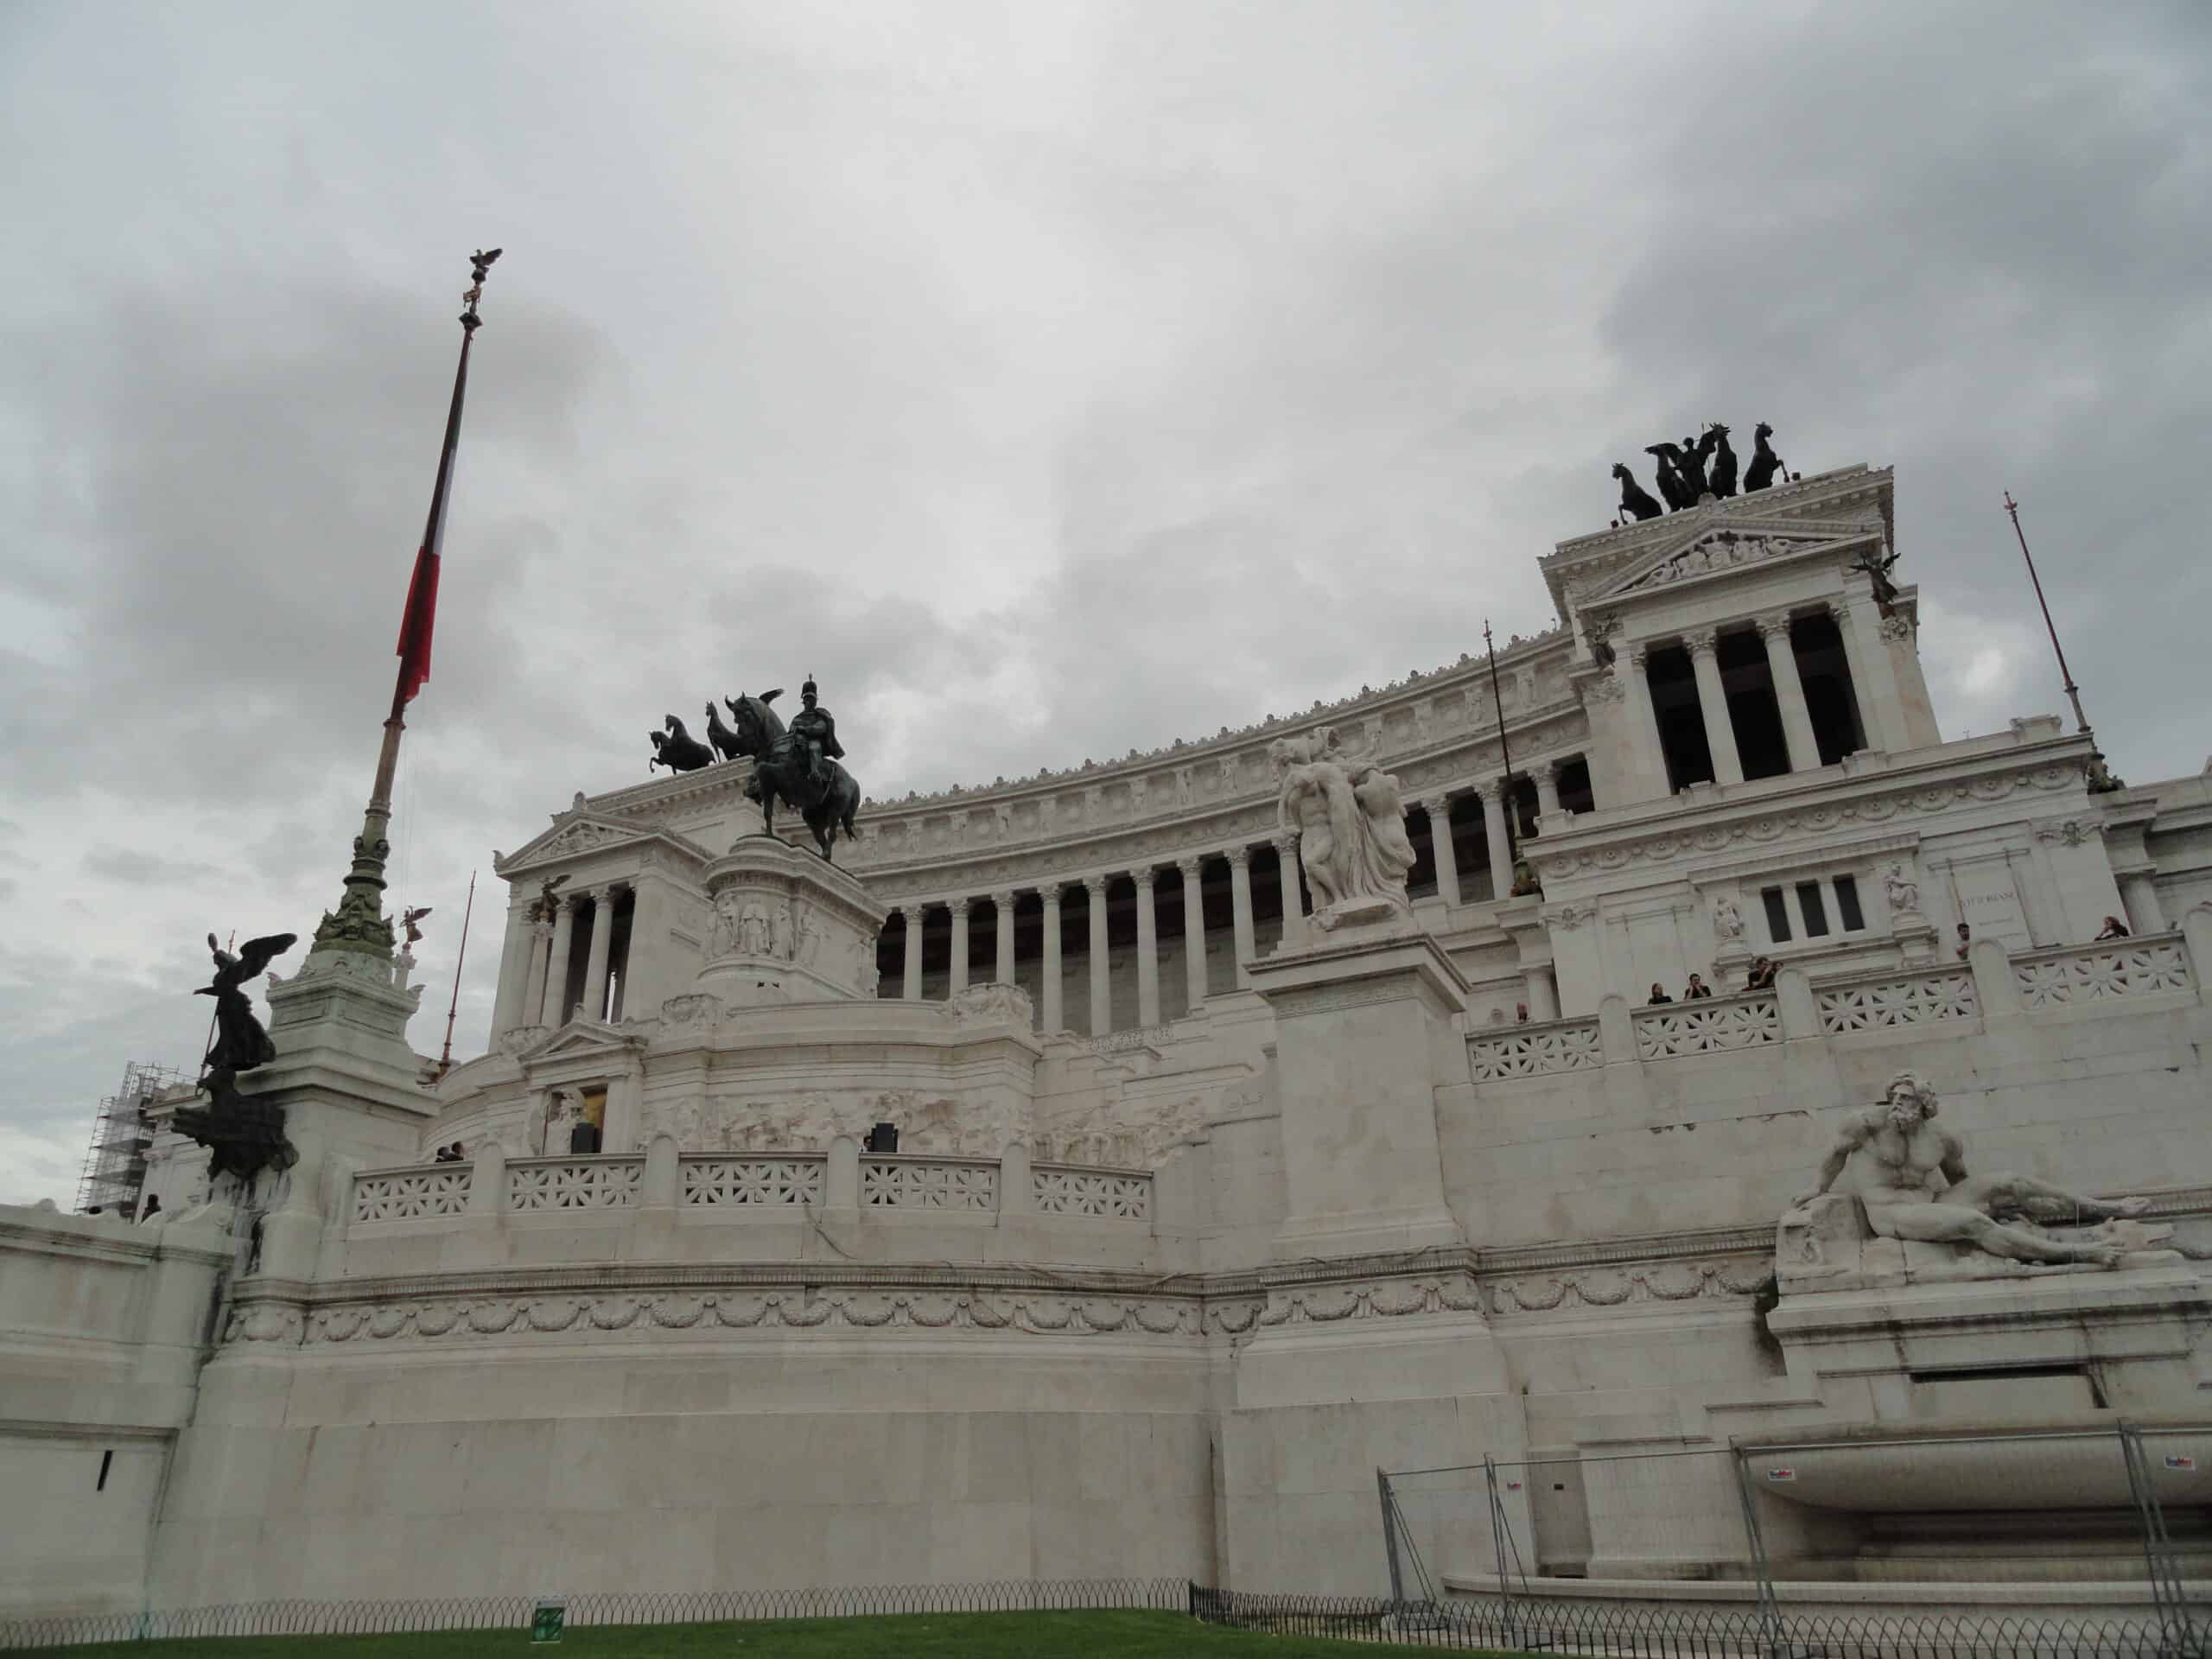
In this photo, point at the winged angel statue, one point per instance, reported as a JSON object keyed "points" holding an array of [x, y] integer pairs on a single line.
{"points": [[242, 1136]]}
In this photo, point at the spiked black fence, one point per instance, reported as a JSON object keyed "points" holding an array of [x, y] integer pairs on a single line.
{"points": [[515, 1612], [1622, 1631]]}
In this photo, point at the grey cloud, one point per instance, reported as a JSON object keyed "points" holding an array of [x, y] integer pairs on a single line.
{"points": [[1050, 382]]}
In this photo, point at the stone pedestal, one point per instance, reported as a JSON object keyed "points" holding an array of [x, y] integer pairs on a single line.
{"points": [[1365, 1038], [787, 926], [350, 1087]]}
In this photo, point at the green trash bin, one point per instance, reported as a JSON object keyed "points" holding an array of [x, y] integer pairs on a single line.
{"points": [[547, 1618]]}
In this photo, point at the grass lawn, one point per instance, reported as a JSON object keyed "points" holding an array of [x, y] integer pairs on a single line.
{"points": [[1105, 1634]]}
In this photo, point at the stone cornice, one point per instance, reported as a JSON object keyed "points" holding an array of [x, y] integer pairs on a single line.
{"points": [[1829, 801], [1583, 563]]}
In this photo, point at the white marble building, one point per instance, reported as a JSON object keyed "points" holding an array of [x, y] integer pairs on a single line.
{"points": [[1202, 1208]]}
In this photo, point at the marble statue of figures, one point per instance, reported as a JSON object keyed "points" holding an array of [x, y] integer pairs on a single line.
{"points": [[1727, 920], [1349, 821], [1911, 1179], [1903, 892], [242, 1136]]}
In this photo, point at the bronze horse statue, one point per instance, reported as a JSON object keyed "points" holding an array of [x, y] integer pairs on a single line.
{"points": [[678, 750], [779, 773], [723, 739]]}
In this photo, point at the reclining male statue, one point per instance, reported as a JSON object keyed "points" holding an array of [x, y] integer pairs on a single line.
{"points": [[1911, 1179]]}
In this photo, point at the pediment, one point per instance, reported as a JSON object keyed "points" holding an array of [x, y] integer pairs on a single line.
{"points": [[581, 1040], [577, 832], [1714, 548]]}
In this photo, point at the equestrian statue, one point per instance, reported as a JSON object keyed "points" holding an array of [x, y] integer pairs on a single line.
{"points": [[797, 766], [678, 750]]}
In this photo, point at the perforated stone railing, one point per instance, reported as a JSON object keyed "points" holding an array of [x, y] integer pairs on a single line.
{"points": [[411, 1194], [1534, 1050], [1895, 1000], [1707, 1027], [2153, 966], [918, 1183], [574, 1183], [1063, 1189], [712, 1180]]}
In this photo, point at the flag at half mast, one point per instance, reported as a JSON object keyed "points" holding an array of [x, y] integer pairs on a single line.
{"points": [[359, 926]]}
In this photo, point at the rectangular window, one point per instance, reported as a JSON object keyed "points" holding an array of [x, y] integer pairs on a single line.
{"points": [[1777, 916], [1817, 916], [1846, 904]]}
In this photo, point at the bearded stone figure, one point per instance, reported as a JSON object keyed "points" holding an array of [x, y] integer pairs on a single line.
{"points": [[1350, 826]]}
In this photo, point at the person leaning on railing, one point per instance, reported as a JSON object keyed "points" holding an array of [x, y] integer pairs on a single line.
{"points": [[2113, 929]]}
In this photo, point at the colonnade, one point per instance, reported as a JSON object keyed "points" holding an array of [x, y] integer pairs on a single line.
{"points": [[534, 970], [1055, 896], [1870, 688]]}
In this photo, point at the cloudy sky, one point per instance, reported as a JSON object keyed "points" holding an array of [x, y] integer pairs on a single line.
{"points": [[1048, 378]]}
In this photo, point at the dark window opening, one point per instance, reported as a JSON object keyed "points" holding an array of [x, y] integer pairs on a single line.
{"points": [[1817, 915], [1830, 701], [1777, 916], [1682, 726], [107, 1462], [1574, 793], [1422, 830], [1846, 904], [1754, 712]]}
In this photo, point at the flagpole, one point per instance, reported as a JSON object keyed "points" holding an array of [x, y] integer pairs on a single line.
{"points": [[1505, 754], [2100, 776], [445, 1060], [359, 925]]}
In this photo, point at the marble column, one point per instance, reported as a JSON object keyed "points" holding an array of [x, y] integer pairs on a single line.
{"points": [[1551, 817], [1649, 770], [2139, 897], [1501, 848], [533, 1011], [514, 971], [1049, 1014], [1294, 892], [1240, 900], [1439, 808], [1790, 692], [1101, 987], [557, 966], [1002, 963], [1147, 952], [599, 953], [1194, 935], [959, 982], [913, 987], [1713, 704]]}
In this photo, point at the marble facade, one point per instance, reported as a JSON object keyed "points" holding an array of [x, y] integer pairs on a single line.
{"points": [[1201, 1212]]}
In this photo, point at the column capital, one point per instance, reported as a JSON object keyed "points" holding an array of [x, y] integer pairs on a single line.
{"points": [[1003, 901], [1639, 655], [1839, 609], [1191, 867], [1438, 806], [1702, 642], [1285, 846], [1051, 892], [1097, 884], [1144, 878], [1239, 857], [957, 906], [1772, 623]]}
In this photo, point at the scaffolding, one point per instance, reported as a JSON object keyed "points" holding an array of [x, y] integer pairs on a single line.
{"points": [[115, 1163]]}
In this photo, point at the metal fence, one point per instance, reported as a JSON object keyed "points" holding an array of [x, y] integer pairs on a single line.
{"points": [[1528, 1625], [612, 1607], [1485, 1547]]}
